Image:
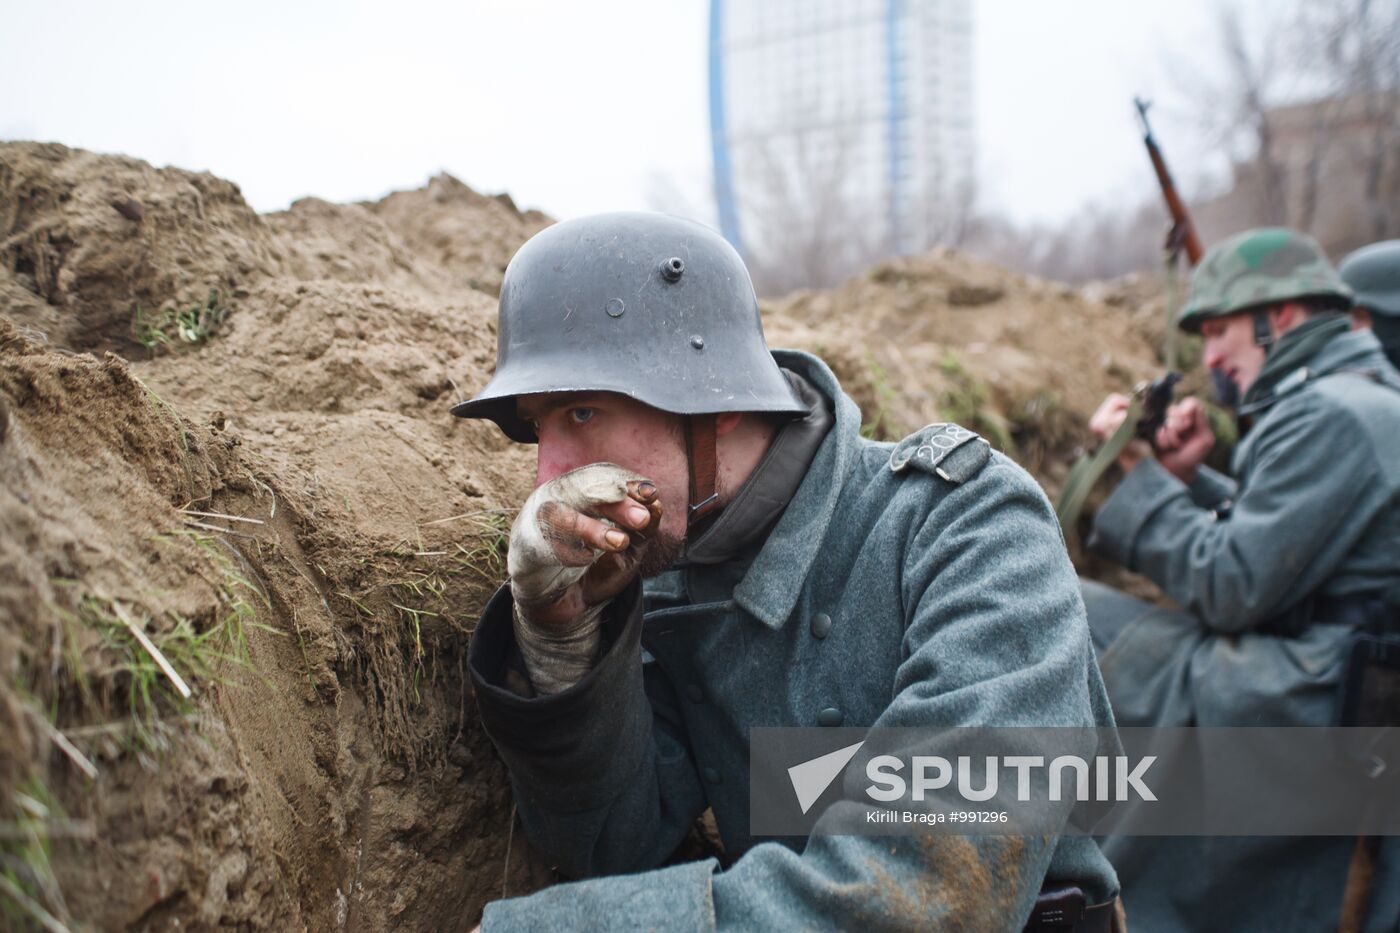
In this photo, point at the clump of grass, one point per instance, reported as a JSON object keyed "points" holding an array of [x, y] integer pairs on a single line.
{"points": [[966, 402], [174, 325], [1042, 428], [30, 897], [882, 425], [418, 585], [195, 652]]}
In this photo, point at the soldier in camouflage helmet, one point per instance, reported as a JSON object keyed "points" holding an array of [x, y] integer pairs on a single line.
{"points": [[1275, 569], [1257, 270], [1373, 273]]}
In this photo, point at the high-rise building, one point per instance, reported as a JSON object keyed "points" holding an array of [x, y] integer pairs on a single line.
{"points": [[853, 113]]}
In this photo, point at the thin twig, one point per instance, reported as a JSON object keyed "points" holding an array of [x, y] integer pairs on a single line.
{"points": [[232, 518], [510, 838], [152, 650], [453, 518], [119, 727], [53, 829], [65, 746]]}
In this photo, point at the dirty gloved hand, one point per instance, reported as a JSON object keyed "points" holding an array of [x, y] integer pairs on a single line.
{"points": [[576, 544]]}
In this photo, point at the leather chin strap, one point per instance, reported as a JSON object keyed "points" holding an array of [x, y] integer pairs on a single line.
{"points": [[1263, 330], [700, 445]]}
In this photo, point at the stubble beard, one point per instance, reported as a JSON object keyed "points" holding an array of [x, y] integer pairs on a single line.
{"points": [[660, 553]]}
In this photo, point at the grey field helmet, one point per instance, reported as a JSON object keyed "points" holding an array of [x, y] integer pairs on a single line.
{"points": [[1373, 272], [647, 305]]}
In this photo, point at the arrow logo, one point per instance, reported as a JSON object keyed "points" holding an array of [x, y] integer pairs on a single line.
{"points": [[811, 778]]}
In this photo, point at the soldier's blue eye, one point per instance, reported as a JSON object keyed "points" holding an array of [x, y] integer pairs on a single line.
{"points": [[580, 415]]}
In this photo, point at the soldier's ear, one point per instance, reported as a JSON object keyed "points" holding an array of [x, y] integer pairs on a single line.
{"points": [[727, 421], [1287, 315]]}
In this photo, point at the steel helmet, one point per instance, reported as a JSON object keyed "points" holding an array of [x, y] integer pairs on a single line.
{"points": [[648, 305], [1257, 268], [1373, 272]]}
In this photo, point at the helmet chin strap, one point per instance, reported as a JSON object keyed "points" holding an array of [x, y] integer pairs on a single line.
{"points": [[700, 445], [1263, 330]]}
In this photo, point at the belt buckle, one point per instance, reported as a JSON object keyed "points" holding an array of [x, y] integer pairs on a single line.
{"points": [[1057, 909]]}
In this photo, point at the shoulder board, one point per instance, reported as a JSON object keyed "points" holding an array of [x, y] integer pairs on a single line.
{"points": [[949, 451]]}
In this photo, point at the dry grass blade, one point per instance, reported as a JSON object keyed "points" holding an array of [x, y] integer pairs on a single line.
{"points": [[224, 531], [32, 907], [140, 635], [231, 518]]}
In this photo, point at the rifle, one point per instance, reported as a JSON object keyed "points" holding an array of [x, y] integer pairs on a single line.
{"points": [[1182, 235], [1150, 399]]}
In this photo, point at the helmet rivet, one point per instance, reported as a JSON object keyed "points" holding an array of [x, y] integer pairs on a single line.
{"points": [[697, 342], [614, 307], [672, 268]]}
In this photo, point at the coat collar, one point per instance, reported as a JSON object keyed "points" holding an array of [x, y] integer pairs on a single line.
{"points": [[1352, 351], [770, 588], [1357, 349]]}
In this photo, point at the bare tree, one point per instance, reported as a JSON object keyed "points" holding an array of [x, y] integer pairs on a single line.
{"points": [[808, 225], [1354, 48], [1307, 100], [1252, 77]]}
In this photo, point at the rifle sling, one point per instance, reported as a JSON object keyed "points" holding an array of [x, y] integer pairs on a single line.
{"points": [[1089, 467]]}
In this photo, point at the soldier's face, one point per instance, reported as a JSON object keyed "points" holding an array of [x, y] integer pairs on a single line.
{"points": [[1230, 348], [579, 428]]}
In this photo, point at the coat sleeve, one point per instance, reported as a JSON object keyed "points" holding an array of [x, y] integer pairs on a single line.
{"points": [[1211, 489], [602, 772], [1309, 495], [998, 639]]}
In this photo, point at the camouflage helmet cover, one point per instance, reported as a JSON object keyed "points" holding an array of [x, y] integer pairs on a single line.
{"points": [[1258, 268], [1373, 272]]}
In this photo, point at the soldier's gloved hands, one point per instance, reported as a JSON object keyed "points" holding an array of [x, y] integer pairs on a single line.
{"points": [[1185, 438], [569, 556]]}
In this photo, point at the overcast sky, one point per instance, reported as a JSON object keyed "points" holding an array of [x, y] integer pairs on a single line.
{"points": [[570, 107]]}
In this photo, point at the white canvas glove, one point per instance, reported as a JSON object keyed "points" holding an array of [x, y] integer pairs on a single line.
{"points": [[569, 556]]}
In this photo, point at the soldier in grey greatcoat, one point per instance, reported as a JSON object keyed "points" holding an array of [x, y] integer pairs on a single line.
{"points": [[1373, 273], [1275, 570], [712, 546]]}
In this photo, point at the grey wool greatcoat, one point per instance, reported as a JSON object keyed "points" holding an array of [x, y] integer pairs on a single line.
{"points": [[1314, 511], [951, 602]]}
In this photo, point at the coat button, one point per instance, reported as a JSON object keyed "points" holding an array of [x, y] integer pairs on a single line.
{"points": [[821, 625], [712, 776], [831, 716], [694, 694]]}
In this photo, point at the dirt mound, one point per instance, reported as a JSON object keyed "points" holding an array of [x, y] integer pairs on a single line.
{"points": [[269, 489], [96, 237], [946, 337], [283, 508], [469, 236]]}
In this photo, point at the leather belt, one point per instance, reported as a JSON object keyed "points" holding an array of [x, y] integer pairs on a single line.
{"points": [[1361, 611]]}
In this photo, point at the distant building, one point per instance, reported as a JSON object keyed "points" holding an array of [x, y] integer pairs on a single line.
{"points": [[1334, 172], [855, 113]]}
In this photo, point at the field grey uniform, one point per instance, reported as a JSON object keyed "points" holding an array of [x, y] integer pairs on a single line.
{"points": [[877, 598], [1314, 511]]}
